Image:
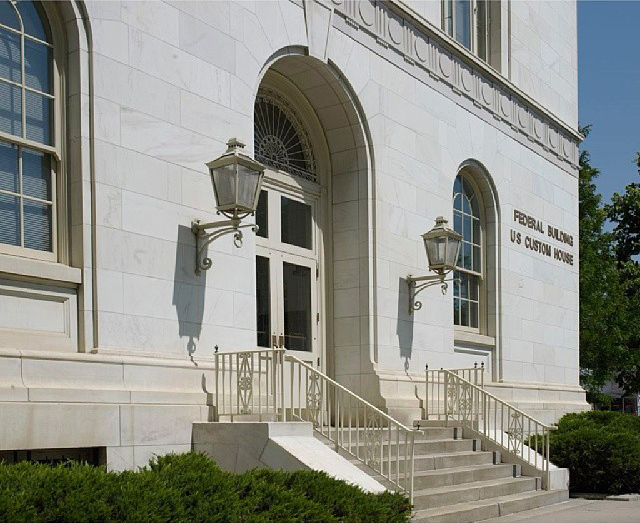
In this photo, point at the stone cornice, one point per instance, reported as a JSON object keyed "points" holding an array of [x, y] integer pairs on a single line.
{"points": [[426, 49]]}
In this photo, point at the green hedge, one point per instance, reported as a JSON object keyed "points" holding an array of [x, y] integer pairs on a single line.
{"points": [[601, 450], [187, 488]]}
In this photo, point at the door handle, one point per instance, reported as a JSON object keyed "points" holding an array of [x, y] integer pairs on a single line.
{"points": [[274, 341], [281, 342]]}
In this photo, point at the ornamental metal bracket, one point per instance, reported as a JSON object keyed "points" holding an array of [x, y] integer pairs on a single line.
{"points": [[221, 228], [417, 285]]}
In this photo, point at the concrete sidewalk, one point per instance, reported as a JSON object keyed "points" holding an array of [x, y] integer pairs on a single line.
{"points": [[578, 511]]}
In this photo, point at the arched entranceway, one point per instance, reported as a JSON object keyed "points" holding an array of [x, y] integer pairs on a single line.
{"points": [[314, 265]]}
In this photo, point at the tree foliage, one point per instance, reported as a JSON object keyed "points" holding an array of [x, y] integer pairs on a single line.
{"points": [[603, 302], [624, 212]]}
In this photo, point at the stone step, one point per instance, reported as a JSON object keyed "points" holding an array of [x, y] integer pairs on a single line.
{"points": [[448, 460], [436, 446], [461, 475], [490, 508], [478, 490]]}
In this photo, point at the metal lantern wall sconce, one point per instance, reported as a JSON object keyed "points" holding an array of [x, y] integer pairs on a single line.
{"points": [[236, 180], [442, 245]]}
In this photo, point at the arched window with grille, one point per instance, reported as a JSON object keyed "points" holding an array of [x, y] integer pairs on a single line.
{"points": [[469, 274], [30, 147]]}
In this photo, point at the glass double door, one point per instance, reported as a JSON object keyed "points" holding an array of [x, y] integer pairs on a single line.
{"points": [[287, 273]]}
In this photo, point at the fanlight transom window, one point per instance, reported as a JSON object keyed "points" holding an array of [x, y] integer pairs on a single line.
{"points": [[280, 138], [469, 273], [27, 97]]}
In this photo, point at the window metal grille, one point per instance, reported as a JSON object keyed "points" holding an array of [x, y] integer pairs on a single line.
{"points": [[280, 138]]}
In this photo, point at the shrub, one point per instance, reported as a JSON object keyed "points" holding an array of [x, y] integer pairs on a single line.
{"points": [[601, 450], [186, 488]]}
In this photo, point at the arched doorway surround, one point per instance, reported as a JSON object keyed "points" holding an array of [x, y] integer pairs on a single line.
{"points": [[340, 195]]}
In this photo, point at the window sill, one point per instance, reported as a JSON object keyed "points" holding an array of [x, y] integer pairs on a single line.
{"points": [[472, 338], [18, 267]]}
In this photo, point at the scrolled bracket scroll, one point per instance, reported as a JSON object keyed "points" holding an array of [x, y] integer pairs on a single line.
{"points": [[417, 285], [204, 238]]}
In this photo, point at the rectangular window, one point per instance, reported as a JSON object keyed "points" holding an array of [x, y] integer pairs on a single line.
{"points": [[474, 24], [26, 198]]}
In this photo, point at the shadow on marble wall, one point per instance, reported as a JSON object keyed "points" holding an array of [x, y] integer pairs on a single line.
{"points": [[188, 290], [404, 326]]}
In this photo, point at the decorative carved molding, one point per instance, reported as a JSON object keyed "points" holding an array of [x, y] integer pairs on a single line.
{"points": [[394, 28]]}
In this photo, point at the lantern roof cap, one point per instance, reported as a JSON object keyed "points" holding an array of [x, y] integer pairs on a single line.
{"points": [[235, 155], [440, 230]]}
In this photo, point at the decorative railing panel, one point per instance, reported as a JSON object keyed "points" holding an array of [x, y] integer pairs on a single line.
{"points": [[250, 383], [435, 391]]}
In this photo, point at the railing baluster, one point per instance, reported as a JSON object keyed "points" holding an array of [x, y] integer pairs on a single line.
{"points": [[336, 418]]}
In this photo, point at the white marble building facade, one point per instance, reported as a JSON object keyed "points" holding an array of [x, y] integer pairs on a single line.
{"points": [[107, 335]]}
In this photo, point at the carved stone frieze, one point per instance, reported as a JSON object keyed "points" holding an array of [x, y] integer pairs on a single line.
{"points": [[425, 50]]}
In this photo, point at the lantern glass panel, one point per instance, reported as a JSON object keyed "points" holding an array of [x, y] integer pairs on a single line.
{"points": [[224, 185], [247, 188], [436, 249], [452, 252]]}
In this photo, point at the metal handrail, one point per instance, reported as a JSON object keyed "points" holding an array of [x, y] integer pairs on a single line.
{"points": [[251, 384], [524, 438], [434, 383], [352, 424]]}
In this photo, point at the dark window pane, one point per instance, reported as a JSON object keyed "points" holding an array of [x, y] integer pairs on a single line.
{"points": [[467, 255], [476, 231], [296, 223], [9, 220], [477, 260], [463, 22], [8, 167], [448, 20], [10, 66], [263, 301], [34, 20], [457, 202], [466, 207], [482, 30], [37, 226], [467, 231], [262, 215], [297, 307], [10, 109], [456, 311], [464, 313], [37, 65], [473, 287], [38, 118], [8, 16], [457, 185], [464, 285], [36, 174], [473, 315], [456, 283], [457, 222]]}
